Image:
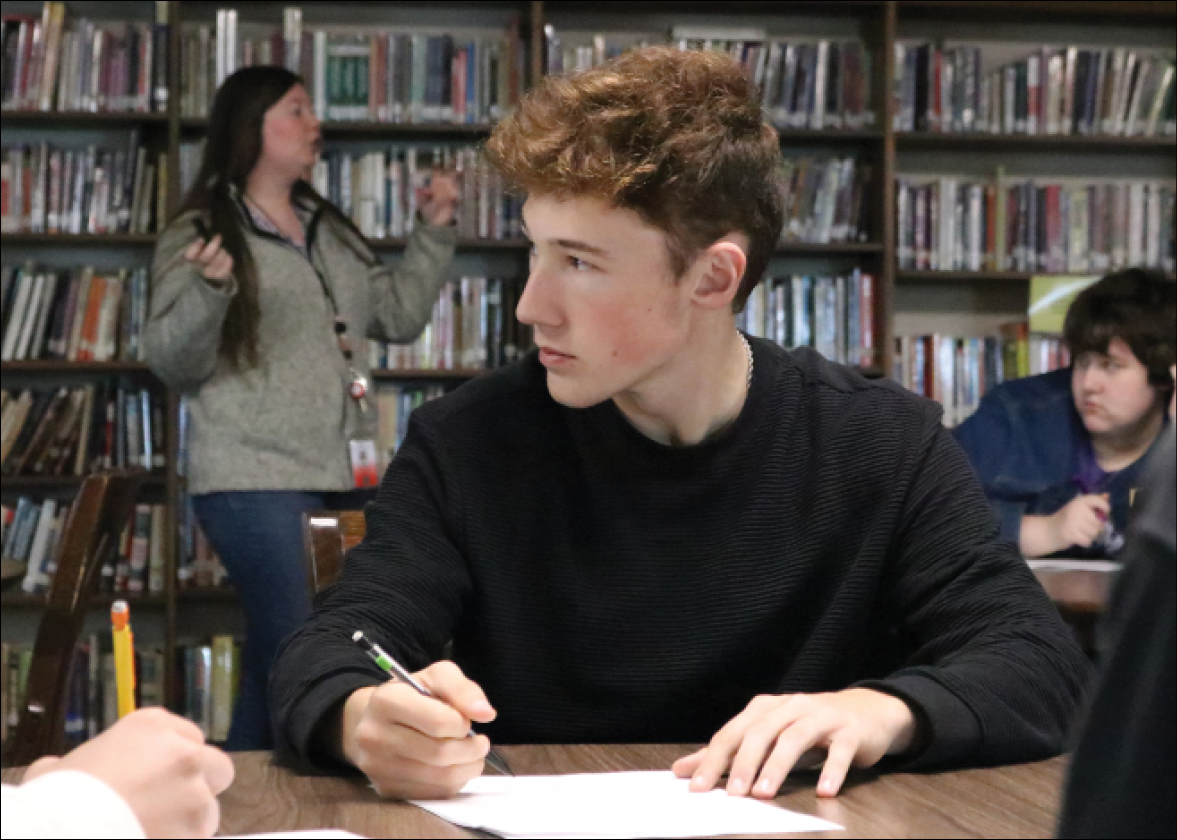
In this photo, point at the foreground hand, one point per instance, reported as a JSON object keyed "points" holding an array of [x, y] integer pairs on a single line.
{"points": [[776, 734], [415, 747], [438, 202], [159, 764], [1080, 522]]}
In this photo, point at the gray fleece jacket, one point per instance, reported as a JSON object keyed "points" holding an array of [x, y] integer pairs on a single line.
{"points": [[285, 424]]}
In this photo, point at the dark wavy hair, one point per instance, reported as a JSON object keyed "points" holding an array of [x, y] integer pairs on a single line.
{"points": [[1137, 306], [232, 150], [676, 136]]}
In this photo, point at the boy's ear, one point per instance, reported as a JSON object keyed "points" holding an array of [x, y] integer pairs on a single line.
{"points": [[719, 271]]}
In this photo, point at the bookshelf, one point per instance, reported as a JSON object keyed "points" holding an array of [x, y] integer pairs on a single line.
{"points": [[905, 302]]}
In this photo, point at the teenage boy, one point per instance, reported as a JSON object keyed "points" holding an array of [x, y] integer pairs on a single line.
{"points": [[1060, 455], [657, 529]]}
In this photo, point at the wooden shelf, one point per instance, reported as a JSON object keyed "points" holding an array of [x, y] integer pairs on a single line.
{"points": [[424, 375], [23, 483], [1040, 11], [461, 131], [1004, 143], [363, 129], [827, 248], [79, 240], [82, 119], [398, 244], [20, 600], [977, 276], [797, 136], [206, 595], [54, 366]]}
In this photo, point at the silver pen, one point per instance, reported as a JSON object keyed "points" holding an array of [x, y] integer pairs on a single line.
{"points": [[397, 671]]}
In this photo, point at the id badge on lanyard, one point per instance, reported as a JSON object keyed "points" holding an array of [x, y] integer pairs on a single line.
{"points": [[361, 447]]}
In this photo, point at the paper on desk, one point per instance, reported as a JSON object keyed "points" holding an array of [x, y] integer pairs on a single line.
{"points": [[300, 835], [1065, 565], [607, 805]]}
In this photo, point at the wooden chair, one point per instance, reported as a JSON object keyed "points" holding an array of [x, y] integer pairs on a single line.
{"points": [[327, 536], [103, 508]]}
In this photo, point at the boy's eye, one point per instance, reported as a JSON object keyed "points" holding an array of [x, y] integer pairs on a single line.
{"points": [[579, 264]]}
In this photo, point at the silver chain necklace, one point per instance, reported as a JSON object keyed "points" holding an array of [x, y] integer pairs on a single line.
{"points": [[748, 350]]}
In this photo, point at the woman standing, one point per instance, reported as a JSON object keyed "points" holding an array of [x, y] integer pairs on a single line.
{"points": [[261, 292]]}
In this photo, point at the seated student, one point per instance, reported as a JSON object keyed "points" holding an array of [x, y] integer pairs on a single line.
{"points": [[655, 529], [150, 775], [1060, 454], [1124, 770]]}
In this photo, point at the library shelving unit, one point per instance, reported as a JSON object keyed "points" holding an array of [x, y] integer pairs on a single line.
{"points": [[975, 303], [904, 300]]}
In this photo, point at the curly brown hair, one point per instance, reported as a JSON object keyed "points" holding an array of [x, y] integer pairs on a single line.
{"points": [[676, 136], [1137, 306]]}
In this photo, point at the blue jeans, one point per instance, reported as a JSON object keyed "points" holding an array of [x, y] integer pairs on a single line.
{"points": [[259, 539]]}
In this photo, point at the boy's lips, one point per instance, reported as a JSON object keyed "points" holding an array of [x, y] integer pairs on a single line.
{"points": [[549, 357]]}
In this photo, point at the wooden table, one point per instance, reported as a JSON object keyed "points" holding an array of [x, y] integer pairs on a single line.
{"points": [[1017, 801], [1081, 595]]}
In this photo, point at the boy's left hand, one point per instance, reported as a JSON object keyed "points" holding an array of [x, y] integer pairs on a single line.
{"points": [[438, 202], [775, 734]]}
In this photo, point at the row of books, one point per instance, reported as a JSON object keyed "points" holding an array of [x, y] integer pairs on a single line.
{"points": [[32, 533], [473, 327], [394, 405], [31, 536], [387, 75], [208, 676], [1053, 91], [826, 200], [378, 190], [76, 431], [833, 315], [820, 84], [948, 224], [51, 64], [197, 564], [959, 372], [92, 705], [46, 189], [77, 315]]}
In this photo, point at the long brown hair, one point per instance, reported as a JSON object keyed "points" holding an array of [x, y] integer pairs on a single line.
{"points": [[232, 150]]}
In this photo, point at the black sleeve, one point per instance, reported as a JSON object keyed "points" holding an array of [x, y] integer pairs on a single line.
{"points": [[1124, 771], [405, 586], [994, 675]]}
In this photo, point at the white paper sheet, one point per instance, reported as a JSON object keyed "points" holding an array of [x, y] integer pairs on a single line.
{"points": [[608, 805], [300, 835], [1065, 565]]}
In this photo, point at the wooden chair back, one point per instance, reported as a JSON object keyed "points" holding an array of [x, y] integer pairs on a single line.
{"points": [[327, 536], [92, 531]]}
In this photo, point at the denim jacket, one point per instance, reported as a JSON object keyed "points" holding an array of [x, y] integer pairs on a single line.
{"points": [[1025, 442]]}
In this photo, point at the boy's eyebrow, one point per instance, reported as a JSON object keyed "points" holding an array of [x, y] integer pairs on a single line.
{"points": [[574, 245], [570, 244]]}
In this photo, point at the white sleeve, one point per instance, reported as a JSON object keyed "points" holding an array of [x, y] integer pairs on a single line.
{"points": [[66, 804]]}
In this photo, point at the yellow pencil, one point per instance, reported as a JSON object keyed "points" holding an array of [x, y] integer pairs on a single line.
{"points": [[124, 656]]}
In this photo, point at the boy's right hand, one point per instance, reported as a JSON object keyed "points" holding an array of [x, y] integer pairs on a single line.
{"points": [[415, 747], [159, 764], [1080, 522], [213, 261]]}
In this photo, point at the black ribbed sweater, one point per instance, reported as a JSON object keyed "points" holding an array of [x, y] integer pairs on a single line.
{"points": [[602, 587]]}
